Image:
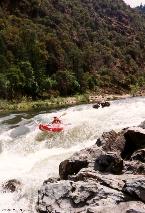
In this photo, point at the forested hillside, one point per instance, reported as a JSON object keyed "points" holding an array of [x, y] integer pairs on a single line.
{"points": [[64, 47]]}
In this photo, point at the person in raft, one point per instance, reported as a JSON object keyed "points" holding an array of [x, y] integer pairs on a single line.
{"points": [[56, 120]]}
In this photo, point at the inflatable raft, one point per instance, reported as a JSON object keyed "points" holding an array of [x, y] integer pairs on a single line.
{"points": [[51, 127]]}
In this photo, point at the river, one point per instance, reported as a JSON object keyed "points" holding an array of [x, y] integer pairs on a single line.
{"points": [[31, 156]]}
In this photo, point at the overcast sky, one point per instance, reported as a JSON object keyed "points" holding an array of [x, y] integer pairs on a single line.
{"points": [[134, 3]]}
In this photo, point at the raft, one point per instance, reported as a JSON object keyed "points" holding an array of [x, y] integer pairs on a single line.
{"points": [[51, 127]]}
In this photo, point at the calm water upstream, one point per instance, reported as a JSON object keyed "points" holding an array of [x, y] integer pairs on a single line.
{"points": [[30, 156]]}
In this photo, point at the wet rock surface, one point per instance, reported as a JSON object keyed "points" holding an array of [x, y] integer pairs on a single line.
{"points": [[107, 177]]}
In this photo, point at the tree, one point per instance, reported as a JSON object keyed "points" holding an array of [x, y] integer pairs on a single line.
{"points": [[29, 84], [4, 86], [15, 82], [66, 82]]}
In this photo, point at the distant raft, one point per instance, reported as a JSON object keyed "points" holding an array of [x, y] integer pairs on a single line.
{"points": [[51, 127]]}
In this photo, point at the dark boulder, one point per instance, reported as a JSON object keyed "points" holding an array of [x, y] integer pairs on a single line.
{"points": [[71, 167], [101, 104], [96, 106], [105, 104], [134, 140], [110, 163]]}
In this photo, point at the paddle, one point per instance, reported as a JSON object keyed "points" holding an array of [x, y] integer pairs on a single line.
{"points": [[36, 122], [62, 114], [50, 123]]}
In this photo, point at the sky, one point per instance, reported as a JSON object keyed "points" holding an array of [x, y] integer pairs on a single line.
{"points": [[134, 3]]}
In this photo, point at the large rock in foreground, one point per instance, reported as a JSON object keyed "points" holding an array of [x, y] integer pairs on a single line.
{"points": [[107, 177], [70, 196]]}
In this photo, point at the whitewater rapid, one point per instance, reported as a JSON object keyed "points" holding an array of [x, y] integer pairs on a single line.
{"points": [[30, 156]]}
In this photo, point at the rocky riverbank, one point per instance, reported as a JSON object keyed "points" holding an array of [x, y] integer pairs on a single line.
{"points": [[55, 103], [107, 177]]}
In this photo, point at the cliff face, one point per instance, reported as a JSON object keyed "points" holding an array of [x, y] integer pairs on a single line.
{"points": [[93, 44]]}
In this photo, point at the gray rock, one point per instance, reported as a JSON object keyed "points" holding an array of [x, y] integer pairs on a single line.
{"points": [[109, 180], [68, 196], [136, 188]]}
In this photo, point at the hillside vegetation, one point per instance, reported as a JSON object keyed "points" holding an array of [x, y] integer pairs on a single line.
{"points": [[63, 47]]}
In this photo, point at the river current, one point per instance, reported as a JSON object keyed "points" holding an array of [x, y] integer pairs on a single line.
{"points": [[31, 156]]}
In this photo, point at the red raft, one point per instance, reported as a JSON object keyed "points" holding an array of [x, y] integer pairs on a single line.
{"points": [[51, 127]]}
